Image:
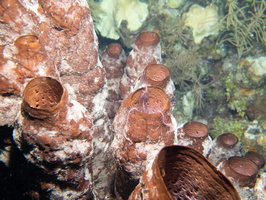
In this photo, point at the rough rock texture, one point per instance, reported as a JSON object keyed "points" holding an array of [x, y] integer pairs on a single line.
{"points": [[42, 39], [55, 133], [60, 101], [57, 39], [114, 61]]}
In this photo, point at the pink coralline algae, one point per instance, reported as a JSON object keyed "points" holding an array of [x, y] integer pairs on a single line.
{"points": [[92, 125]]}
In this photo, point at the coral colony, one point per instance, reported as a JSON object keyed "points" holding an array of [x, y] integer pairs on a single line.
{"points": [[104, 128]]}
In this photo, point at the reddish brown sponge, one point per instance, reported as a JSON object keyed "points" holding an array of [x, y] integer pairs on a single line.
{"points": [[195, 135], [256, 158], [114, 50], [28, 45], [142, 125], [147, 50], [241, 170], [227, 140], [113, 60], [6, 87], [157, 75], [150, 100], [180, 172], [148, 115], [42, 97], [224, 146], [196, 129], [147, 38]]}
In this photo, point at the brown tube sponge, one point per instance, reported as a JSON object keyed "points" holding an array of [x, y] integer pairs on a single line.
{"points": [[42, 97], [28, 45], [56, 39], [30, 54], [55, 133], [156, 75], [113, 60], [147, 107], [241, 170], [114, 50], [147, 39], [256, 158], [142, 126], [224, 146], [180, 172], [227, 140], [147, 50], [195, 135]]}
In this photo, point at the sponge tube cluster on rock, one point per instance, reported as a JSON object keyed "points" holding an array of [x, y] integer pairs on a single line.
{"points": [[92, 125]]}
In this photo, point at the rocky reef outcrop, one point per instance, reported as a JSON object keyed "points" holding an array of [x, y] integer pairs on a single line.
{"points": [[90, 125]]}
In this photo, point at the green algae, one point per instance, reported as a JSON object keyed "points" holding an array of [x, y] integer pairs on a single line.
{"points": [[228, 125]]}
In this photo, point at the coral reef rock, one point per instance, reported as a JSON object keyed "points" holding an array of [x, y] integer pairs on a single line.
{"points": [[257, 70], [62, 119], [54, 132], [100, 129]]}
